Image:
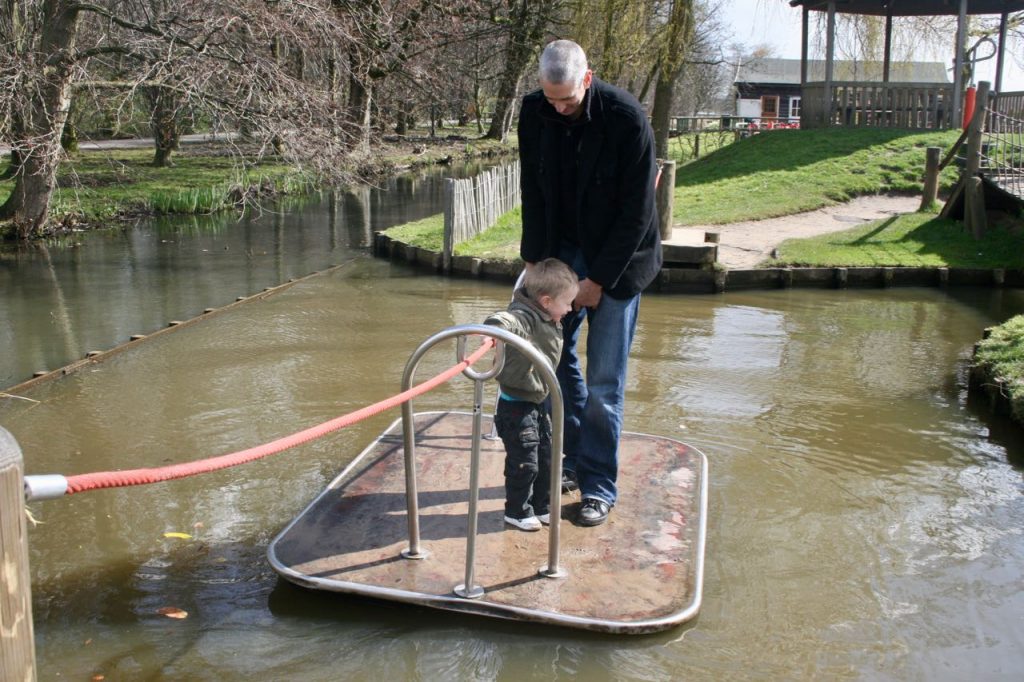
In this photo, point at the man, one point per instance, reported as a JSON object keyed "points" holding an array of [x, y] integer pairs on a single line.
{"points": [[588, 175]]}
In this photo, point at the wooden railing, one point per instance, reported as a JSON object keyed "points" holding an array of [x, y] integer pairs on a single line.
{"points": [[1002, 144], [859, 104]]}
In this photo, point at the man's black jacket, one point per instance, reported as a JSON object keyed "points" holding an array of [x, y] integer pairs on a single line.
{"points": [[616, 214]]}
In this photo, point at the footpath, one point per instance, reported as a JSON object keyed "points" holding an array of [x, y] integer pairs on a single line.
{"points": [[744, 245]]}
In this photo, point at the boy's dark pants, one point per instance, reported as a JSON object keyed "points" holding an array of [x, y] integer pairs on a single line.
{"points": [[525, 429]]}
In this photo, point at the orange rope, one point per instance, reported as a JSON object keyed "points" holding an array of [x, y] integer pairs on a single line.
{"points": [[117, 479]]}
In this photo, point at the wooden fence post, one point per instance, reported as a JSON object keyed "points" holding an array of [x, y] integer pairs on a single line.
{"points": [[664, 196], [974, 193], [17, 648], [931, 176], [449, 225]]}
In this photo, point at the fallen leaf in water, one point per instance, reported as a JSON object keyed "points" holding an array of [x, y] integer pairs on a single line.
{"points": [[183, 536], [173, 612], [97, 678]]}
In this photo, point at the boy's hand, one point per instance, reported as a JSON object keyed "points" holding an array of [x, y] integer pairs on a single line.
{"points": [[588, 296]]}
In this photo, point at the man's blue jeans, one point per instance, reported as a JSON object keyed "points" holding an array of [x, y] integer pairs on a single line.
{"points": [[594, 406]]}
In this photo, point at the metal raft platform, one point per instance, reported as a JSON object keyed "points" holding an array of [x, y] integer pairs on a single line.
{"points": [[641, 571]]}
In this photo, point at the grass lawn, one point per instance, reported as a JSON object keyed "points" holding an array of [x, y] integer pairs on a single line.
{"points": [[781, 172], [96, 185], [789, 171], [100, 184], [909, 240], [1002, 355], [499, 242]]}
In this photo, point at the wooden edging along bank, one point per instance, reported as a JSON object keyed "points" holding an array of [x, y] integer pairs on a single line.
{"points": [[682, 280]]}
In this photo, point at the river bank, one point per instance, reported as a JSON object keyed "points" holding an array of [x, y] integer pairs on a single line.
{"points": [[108, 182]]}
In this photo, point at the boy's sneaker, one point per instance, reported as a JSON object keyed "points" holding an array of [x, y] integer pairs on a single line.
{"points": [[544, 518], [529, 524], [569, 481]]}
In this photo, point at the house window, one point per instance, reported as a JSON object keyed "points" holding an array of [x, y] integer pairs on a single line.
{"points": [[770, 107], [794, 107]]}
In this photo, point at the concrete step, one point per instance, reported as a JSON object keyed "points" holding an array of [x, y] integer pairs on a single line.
{"points": [[690, 247]]}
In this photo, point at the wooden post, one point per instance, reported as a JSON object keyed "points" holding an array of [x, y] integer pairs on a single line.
{"points": [[664, 196], [449, 225], [974, 196], [17, 649], [931, 176]]}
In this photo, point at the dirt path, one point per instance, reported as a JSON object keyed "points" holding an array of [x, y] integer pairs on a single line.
{"points": [[743, 245]]}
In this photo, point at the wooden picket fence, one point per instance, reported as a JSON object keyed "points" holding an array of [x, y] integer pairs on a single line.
{"points": [[474, 204]]}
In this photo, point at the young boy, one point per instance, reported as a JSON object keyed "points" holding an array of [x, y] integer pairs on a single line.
{"points": [[522, 418]]}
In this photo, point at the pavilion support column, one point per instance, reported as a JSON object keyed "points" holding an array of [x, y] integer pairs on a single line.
{"points": [[888, 45], [804, 36], [830, 51], [958, 65], [1002, 51]]}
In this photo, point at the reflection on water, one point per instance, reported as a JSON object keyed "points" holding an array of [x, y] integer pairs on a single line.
{"points": [[864, 521], [93, 291]]}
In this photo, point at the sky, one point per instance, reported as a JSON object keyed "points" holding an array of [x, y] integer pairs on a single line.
{"points": [[775, 23]]}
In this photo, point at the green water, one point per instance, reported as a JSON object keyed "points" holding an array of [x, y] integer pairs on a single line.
{"points": [[864, 517]]}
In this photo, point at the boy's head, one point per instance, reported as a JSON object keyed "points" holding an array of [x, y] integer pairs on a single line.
{"points": [[553, 285]]}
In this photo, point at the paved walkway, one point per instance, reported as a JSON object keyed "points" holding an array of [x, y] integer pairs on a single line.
{"points": [[745, 244]]}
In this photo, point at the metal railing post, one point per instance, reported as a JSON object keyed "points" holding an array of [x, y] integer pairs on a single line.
{"points": [[547, 373], [17, 646], [469, 589]]}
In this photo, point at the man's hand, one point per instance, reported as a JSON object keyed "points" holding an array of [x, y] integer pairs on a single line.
{"points": [[588, 296]]}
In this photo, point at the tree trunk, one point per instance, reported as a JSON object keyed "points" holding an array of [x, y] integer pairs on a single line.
{"points": [[12, 166], [358, 114], [664, 90], [357, 108], [676, 44], [36, 130], [164, 122], [528, 20]]}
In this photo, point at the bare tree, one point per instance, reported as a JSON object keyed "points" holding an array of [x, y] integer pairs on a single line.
{"points": [[706, 71], [210, 55], [672, 52], [526, 21], [617, 37], [37, 39]]}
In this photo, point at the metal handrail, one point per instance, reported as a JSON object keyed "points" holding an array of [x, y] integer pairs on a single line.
{"points": [[468, 589]]}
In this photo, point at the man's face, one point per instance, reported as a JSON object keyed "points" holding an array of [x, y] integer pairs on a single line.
{"points": [[566, 98]]}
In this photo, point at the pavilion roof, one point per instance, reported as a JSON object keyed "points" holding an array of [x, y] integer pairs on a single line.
{"points": [[907, 8]]}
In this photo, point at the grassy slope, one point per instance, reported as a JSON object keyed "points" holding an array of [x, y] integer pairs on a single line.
{"points": [[781, 172], [788, 171], [912, 240]]}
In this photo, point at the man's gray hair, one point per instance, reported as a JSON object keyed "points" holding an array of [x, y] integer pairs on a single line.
{"points": [[563, 61]]}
